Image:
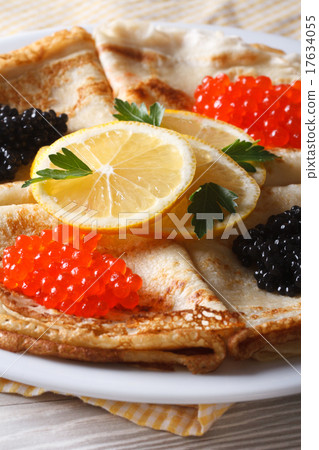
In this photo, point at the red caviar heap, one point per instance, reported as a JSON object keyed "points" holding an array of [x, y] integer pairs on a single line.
{"points": [[79, 281], [271, 113]]}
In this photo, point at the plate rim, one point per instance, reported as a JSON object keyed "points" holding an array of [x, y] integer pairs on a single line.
{"points": [[119, 382], [289, 45]]}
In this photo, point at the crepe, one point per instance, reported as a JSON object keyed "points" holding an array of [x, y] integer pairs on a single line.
{"points": [[179, 320], [12, 193], [286, 169], [147, 62], [60, 72], [272, 320]]}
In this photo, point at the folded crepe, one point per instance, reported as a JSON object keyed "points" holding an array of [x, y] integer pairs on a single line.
{"points": [[60, 72], [179, 320], [147, 62], [272, 320]]}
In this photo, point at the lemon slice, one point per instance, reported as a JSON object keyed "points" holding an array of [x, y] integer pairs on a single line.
{"points": [[215, 132], [137, 168], [212, 165]]}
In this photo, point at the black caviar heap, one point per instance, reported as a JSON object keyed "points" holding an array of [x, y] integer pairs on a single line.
{"points": [[21, 136], [274, 251]]}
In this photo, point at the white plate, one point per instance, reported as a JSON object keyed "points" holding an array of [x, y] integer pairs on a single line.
{"points": [[233, 381]]}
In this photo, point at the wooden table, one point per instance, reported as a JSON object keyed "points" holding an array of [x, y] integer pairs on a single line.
{"points": [[59, 422]]}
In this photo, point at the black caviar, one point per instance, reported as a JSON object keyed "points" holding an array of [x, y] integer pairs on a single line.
{"points": [[21, 136], [274, 251]]}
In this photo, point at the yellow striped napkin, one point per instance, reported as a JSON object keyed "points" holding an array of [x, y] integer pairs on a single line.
{"points": [[282, 17], [193, 420]]}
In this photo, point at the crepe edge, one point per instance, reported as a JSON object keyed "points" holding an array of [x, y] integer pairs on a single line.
{"points": [[44, 48], [203, 362], [251, 342], [195, 339], [13, 194]]}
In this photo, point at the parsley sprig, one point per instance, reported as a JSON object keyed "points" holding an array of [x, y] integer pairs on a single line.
{"points": [[72, 165], [245, 152], [133, 112], [210, 198]]}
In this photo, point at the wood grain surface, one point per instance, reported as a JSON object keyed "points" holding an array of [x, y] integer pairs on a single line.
{"points": [[58, 422]]}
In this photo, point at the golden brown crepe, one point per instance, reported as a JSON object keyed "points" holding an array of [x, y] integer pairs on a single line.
{"points": [[147, 62], [179, 319], [150, 62], [271, 319], [60, 72]]}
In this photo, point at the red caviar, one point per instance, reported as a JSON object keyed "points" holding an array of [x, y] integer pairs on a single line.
{"points": [[271, 113], [62, 269]]}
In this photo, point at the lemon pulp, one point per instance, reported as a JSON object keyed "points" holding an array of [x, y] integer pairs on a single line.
{"points": [[136, 168]]}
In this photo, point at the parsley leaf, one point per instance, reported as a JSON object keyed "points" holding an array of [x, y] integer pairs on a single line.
{"points": [[132, 112], [209, 199], [244, 151], [74, 168]]}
